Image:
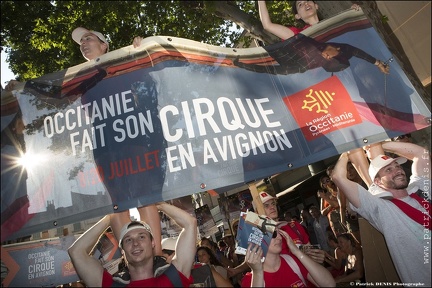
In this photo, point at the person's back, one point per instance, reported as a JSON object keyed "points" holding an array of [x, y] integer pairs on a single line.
{"points": [[207, 257], [321, 227], [307, 222], [202, 276]]}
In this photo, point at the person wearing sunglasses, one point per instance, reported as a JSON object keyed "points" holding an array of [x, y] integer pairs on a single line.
{"points": [[282, 270], [297, 232]]}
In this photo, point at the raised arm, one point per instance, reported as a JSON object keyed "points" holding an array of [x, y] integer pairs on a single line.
{"points": [[88, 268], [384, 68], [186, 242], [359, 53], [419, 155], [276, 29], [339, 177]]}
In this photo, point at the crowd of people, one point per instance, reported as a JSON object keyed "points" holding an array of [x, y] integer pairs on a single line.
{"points": [[336, 261], [366, 182], [333, 259]]}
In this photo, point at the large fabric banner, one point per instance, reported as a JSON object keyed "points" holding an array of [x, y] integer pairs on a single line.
{"points": [[43, 263], [175, 117]]}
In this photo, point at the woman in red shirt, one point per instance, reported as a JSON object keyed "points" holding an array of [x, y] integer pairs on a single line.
{"points": [[297, 270]]}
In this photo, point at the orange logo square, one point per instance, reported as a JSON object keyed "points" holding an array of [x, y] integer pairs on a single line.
{"points": [[323, 108]]}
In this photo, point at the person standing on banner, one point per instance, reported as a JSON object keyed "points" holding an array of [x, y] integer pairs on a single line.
{"points": [[332, 57], [307, 11], [282, 270], [93, 44], [399, 209], [137, 244]]}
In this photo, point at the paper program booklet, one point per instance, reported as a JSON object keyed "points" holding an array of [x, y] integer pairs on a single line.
{"points": [[255, 229]]}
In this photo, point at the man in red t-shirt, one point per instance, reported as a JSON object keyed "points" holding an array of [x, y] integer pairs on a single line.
{"points": [[137, 243]]}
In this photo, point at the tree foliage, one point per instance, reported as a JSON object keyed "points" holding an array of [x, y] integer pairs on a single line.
{"points": [[37, 34]]}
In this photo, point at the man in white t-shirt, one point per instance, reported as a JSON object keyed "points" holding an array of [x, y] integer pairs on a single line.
{"points": [[394, 208]]}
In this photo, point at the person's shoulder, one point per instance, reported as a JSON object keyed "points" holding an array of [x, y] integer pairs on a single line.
{"points": [[375, 191], [294, 29], [416, 180], [297, 30]]}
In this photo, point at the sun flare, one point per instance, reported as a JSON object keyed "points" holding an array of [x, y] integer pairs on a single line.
{"points": [[30, 161]]}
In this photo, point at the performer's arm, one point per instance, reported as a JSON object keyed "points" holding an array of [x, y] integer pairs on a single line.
{"points": [[339, 177], [276, 29], [365, 56]]}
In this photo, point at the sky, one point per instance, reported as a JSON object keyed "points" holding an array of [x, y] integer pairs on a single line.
{"points": [[6, 73]]}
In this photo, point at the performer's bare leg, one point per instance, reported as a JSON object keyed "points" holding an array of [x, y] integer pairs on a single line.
{"points": [[117, 222], [150, 215], [361, 164], [374, 150], [359, 159]]}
